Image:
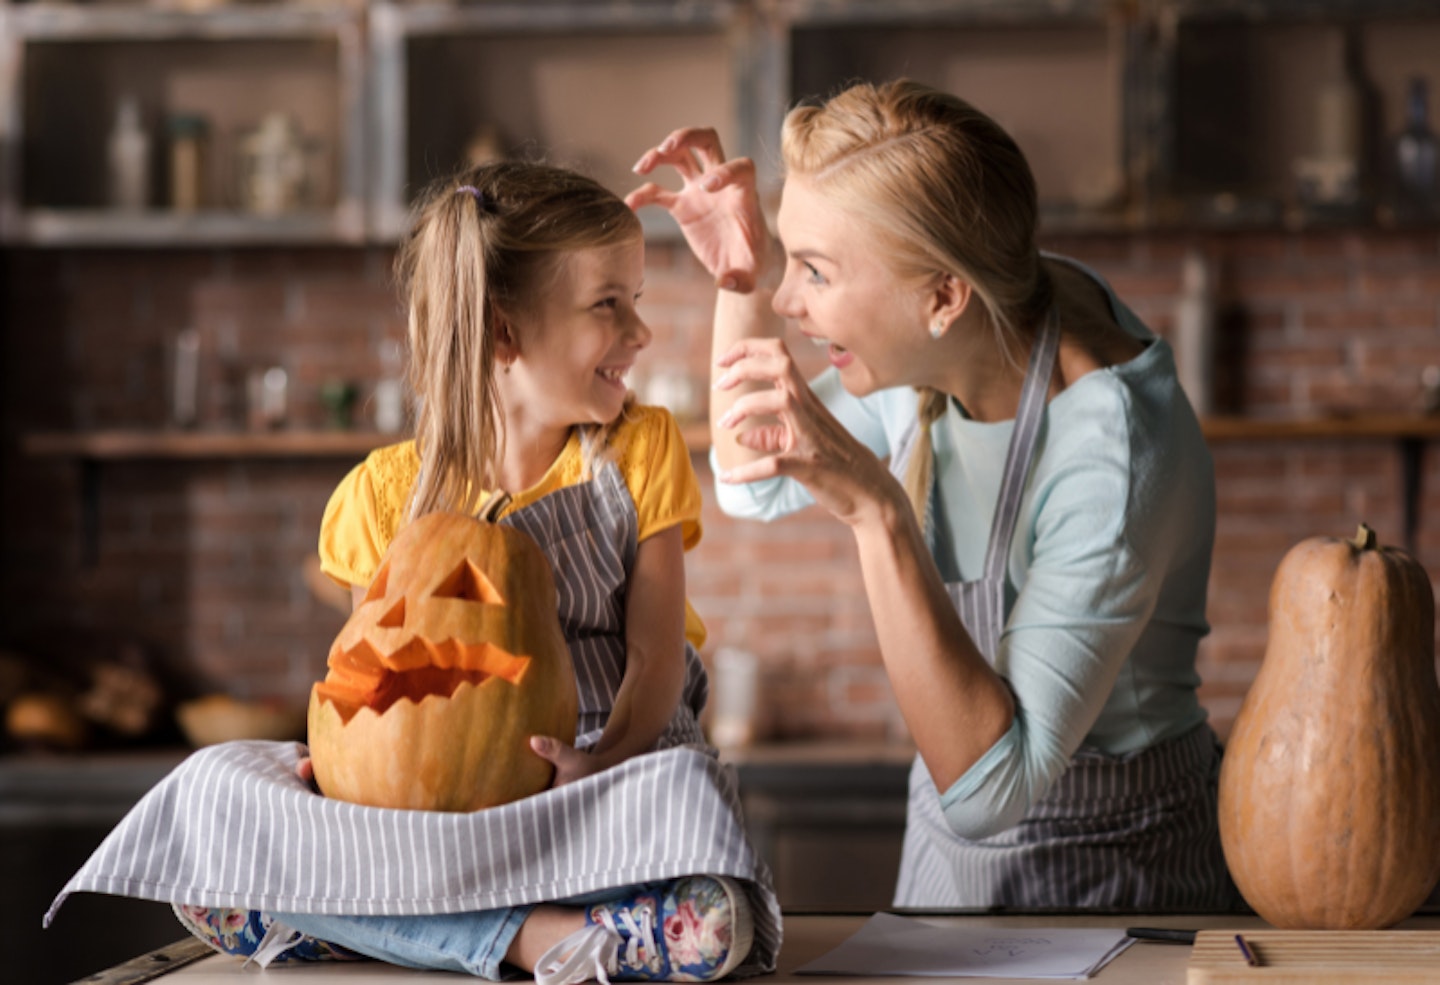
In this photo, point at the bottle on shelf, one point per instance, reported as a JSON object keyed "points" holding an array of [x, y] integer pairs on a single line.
{"points": [[128, 157], [189, 137], [389, 404], [1416, 172], [1330, 177], [1195, 332]]}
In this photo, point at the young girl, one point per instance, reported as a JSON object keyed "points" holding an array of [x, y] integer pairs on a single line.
{"points": [[522, 283]]}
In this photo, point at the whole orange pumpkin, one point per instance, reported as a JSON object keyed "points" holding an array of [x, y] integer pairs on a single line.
{"points": [[1330, 783], [450, 663]]}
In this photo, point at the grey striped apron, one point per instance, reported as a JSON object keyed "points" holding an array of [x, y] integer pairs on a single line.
{"points": [[1136, 831], [232, 826]]}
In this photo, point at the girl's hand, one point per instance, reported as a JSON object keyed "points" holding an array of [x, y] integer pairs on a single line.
{"points": [[570, 763], [717, 207], [801, 439], [305, 770]]}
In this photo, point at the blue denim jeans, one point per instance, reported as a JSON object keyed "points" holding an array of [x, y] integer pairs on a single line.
{"points": [[473, 942]]}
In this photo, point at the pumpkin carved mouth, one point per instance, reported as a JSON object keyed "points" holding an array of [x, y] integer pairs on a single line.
{"points": [[361, 677]]}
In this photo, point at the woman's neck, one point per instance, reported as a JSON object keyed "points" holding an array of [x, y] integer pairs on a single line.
{"points": [[976, 372]]}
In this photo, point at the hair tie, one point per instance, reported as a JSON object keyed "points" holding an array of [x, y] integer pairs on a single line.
{"points": [[481, 200]]}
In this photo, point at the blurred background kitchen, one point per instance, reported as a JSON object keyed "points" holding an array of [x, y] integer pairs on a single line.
{"points": [[199, 203]]}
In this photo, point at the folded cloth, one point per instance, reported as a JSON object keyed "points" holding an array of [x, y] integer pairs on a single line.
{"points": [[234, 826]]}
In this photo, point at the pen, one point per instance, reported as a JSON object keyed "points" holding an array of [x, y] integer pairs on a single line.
{"points": [[1250, 957], [1167, 934]]}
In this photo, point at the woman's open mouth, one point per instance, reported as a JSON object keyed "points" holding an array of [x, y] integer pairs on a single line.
{"points": [[840, 357]]}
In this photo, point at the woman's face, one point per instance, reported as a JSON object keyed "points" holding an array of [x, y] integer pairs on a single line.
{"points": [[580, 339], [840, 291]]}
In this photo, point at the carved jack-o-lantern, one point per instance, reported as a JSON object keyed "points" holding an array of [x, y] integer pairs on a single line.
{"points": [[440, 676]]}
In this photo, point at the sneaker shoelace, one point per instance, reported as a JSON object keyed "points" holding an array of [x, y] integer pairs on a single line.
{"points": [[278, 939], [594, 950]]}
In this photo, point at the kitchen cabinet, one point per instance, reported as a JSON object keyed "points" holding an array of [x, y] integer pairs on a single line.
{"points": [[999, 56], [582, 85], [1157, 113], [67, 68], [809, 805], [1259, 109]]}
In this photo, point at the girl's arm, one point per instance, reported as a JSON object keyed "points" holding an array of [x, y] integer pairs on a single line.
{"points": [[654, 663]]}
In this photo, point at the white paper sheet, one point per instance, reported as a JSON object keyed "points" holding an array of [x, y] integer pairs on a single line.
{"points": [[893, 945]]}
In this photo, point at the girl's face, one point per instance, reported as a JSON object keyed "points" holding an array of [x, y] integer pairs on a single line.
{"points": [[580, 339], [839, 292]]}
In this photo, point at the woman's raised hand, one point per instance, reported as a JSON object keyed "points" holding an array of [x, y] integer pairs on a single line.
{"points": [[797, 436], [717, 206]]}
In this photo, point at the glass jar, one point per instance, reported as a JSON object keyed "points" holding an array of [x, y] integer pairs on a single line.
{"points": [[189, 143]]}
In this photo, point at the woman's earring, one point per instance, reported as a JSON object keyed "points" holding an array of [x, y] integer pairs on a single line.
{"points": [[937, 328]]}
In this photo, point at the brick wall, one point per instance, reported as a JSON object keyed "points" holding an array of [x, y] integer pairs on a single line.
{"points": [[201, 562]]}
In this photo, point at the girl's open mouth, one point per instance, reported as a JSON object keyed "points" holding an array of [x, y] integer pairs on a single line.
{"points": [[840, 357], [615, 377]]}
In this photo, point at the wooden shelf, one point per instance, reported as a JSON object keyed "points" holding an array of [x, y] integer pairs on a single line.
{"points": [[125, 444], [162, 228], [1397, 426], [92, 448], [122, 444]]}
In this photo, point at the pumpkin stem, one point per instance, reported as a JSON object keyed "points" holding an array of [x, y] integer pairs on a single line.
{"points": [[1364, 539], [490, 509]]}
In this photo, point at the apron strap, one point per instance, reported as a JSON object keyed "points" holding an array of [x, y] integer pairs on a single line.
{"points": [[1028, 418]]}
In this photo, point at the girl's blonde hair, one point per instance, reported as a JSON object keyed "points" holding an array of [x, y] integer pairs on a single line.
{"points": [[483, 243], [944, 190]]}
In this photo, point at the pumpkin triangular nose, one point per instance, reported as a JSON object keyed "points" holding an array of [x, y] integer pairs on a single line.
{"points": [[469, 583], [395, 618]]}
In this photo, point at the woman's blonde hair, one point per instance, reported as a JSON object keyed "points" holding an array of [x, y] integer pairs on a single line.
{"points": [[944, 190], [484, 243]]}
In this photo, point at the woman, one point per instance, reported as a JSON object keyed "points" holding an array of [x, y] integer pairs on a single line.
{"points": [[1036, 553]]}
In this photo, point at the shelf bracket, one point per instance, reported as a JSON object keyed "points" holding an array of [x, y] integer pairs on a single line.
{"points": [[89, 511], [1412, 460]]}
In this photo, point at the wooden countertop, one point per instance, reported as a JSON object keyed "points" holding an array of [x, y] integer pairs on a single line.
{"points": [[809, 936]]}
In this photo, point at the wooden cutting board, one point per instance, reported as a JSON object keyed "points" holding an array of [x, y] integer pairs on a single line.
{"points": [[1317, 957]]}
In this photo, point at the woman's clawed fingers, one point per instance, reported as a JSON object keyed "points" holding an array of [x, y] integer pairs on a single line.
{"points": [[796, 434], [717, 206], [689, 150]]}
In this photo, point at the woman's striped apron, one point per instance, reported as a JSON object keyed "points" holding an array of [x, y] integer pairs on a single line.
{"points": [[1136, 831], [233, 826]]}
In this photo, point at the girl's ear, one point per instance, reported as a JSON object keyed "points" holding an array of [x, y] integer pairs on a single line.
{"points": [[507, 345], [949, 298]]}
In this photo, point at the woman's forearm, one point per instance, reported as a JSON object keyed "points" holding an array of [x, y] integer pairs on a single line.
{"points": [[737, 316], [954, 704]]}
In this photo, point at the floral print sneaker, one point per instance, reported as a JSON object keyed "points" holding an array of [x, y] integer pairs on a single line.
{"points": [[695, 929], [253, 935]]}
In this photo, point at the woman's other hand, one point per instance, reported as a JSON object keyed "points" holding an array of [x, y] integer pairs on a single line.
{"points": [[795, 435], [570, 764], [717, 207]]}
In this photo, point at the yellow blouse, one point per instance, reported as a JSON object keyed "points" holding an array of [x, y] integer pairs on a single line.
{"points": [[368, 507]]}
